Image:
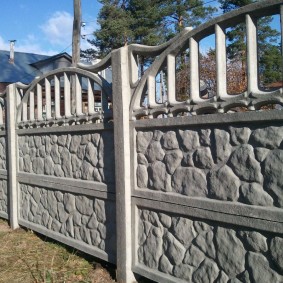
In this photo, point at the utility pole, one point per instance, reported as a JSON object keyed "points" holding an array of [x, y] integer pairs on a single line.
{"points": [[76, 32], [75, 50]]}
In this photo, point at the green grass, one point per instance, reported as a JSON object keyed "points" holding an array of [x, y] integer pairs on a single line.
{"points": [[28, 257]]}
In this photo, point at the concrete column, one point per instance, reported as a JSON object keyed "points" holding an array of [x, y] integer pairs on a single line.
{"points": [[121, 103], [12, 156]]}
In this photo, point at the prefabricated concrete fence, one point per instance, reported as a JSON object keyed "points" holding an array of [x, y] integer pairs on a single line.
{"points": [[176, 191]]}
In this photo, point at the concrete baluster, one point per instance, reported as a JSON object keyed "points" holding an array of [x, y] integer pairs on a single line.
{"points": [[48, 99], [39, 102], [57, 96], [67, 95]]}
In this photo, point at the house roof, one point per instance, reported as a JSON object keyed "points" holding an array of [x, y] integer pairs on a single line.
{"points": [[24, 69]]}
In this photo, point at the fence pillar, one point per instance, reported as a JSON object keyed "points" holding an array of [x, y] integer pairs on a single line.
{"points": [[12, 155], [121, 102]]}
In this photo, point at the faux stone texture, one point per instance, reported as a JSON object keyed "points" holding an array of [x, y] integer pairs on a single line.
{"points": [[200, 251], [254, 194], [276, 248], [3, 164], [71, 156], [231, 163], [272, 170], [244, 164], [203, 158], [222, 144], [190, 182], [83, 218], [207, 272], [230, 252], [190, 139], [240, 135], [254, 241], [3, 196], [224, 184], [268, 137], [260, 269], [158, 177]]}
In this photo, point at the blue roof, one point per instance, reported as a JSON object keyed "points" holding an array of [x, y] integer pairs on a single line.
{"points": [[21, 70]]}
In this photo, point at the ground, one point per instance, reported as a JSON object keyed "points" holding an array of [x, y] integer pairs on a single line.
{"points": [[28, 257]]}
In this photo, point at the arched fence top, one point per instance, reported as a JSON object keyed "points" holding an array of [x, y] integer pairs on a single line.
{"points": [[165, 57], [63, 96]]}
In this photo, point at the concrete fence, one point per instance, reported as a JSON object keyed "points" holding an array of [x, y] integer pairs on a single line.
{"points": [[176, 191]]}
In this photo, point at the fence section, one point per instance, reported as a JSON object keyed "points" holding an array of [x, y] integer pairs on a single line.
{"points": [[177, 190], [207, 194], [206, 181], [64, 148]]}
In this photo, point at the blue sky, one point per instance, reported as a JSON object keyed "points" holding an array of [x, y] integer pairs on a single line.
{"points": [[44, 27]]}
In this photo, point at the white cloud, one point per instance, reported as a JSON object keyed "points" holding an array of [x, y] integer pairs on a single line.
{"points": [[58, 29], [55, 35], [29, 45], [88, 30]]}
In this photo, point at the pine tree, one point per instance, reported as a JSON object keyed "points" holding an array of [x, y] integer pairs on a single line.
{"points": [[267, 44], [185, 13], [149, 22], [115, 23]]}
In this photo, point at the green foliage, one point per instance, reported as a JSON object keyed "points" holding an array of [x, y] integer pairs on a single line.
{"points": [[115, 26], [149, 22], [268, 49], [271, 64], [229, 5]]}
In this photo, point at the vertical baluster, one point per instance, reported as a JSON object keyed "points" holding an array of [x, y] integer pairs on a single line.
{"points": [[78, 95], [90, 97], [39, 102], [221, 77], [151, 92], [171, 83], [31, 106], [1, 114], [48, 99], [104, 101], [252, 55], [194, 70], [57, 96], [19, 96], [134, 67], [25, 111], [67, 95]]}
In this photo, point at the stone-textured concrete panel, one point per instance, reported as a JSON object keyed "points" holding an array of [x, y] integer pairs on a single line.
{"points": [[3, 196], [82, 218], [229, 163], [82, 156], [202, 251], [3, 164]]}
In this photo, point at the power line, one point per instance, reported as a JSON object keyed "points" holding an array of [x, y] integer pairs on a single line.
{"points": [[65, 48]]}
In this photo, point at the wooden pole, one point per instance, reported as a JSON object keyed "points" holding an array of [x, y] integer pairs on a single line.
{"points": [[76, 33], [75, 50]]}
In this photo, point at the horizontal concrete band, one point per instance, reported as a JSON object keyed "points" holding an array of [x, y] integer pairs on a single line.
{"points": [[267, 219], [68, 241], [87, 188], [156, 275], [2, 133], [211, 119], [67, 129], [4, 215]]}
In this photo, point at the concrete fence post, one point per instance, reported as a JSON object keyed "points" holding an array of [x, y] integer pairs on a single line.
{"points": [[12, 155], [121, 102]]}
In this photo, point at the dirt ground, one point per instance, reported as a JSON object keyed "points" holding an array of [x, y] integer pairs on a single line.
{"points": [[28, 257]]}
